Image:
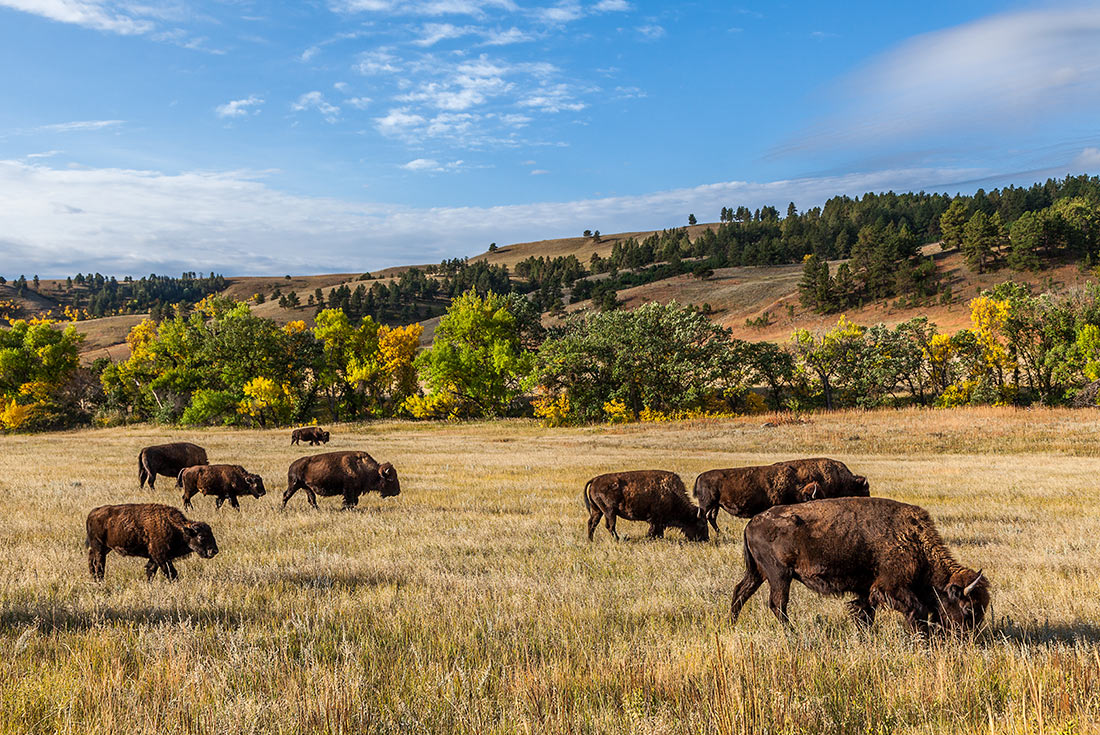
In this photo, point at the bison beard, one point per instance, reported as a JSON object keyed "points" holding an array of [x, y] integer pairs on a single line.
{"points": [[886, 553]]}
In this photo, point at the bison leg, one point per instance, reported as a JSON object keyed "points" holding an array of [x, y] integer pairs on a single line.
{"points": [[656, 531], [862, 611], [712, 518], [218, 502], [780, 592], [169, 570], [903, 600], [609, 516], [97, 560], [187, 495], [151, 569], [234, 503], [350, 501], [594, 516], [745, 589]]}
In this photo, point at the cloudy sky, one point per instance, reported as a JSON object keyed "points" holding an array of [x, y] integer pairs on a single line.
{"points": [[346, 135]]}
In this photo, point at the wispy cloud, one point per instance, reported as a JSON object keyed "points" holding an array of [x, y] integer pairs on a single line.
{"points": [[78, 126], [100, 16], [1000, 74], [611, 6], [316, 101], [239, 108], [430, 164]]}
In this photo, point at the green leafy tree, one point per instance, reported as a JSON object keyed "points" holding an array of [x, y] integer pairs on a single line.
{"points": [[477, 361], [952, 222]]}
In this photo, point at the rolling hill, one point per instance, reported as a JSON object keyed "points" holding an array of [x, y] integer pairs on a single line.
{"points": [[755, 302]]}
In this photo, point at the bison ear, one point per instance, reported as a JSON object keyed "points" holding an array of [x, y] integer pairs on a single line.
{"points": [[190, 531], [954, 592]]}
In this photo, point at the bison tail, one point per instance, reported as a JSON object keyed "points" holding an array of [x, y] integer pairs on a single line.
{"points": [[587, 498], [179, 478]]}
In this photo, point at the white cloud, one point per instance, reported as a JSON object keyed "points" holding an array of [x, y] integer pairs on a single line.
{"points": [[1088, 161], [127, 221], [433, 33], [422, 164], [44, 154], [359, 103], [539, 172], [78, 126], [378, 61], [1004, 73], [506, 37], [651, 31], [316, 101], [399, 122], [554, 98], [100, 16], [239, 108], [564, 12], [610, 6]]}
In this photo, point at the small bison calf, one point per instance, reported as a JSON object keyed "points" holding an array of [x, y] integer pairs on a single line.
{"points": [[312, 434], [223, 481], [654, 496], [159, 533]]}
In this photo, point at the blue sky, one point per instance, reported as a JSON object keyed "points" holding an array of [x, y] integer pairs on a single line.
{"points": [[345, 135]]}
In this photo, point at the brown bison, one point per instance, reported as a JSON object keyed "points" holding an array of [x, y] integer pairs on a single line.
{"points": [[223, 481], [312, 434], [168, 460], [886, 553], [654, 496], [746, 491], [349, 474], [159, 533]]}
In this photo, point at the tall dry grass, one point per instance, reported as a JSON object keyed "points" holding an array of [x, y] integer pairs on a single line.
{"points": [[472, 602]]}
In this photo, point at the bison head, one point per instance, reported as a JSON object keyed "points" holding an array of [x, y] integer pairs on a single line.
{"points": [[200, 539], [964, 600], [388, 484], [324, 437], [859, 487], [255, 485], [697, 531]]}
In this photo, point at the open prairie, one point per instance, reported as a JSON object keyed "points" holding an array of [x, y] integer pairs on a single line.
{"points": [[473, 602]]}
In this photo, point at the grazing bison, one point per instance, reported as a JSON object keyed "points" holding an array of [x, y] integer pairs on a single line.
{"points": [[168, 460], [886, 553], [746, 491], [312, 434], [349, 474], [159, 533], [654, 496], [223, 481]]}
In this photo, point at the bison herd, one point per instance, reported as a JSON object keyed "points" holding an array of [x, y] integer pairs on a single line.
{"points": [[161, 533], [812, 520]]}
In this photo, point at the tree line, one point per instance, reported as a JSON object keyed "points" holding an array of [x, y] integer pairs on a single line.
{"points": [[491, 357]]}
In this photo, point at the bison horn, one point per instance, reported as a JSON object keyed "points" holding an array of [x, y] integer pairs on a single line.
{"points": [[970, 587]]}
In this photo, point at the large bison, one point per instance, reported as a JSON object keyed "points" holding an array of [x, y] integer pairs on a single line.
{"points": [[746, 491], [349, 474], [654, 496], [168, 460], [159, 533], [312, 434], [886, 553], [223, 481]]}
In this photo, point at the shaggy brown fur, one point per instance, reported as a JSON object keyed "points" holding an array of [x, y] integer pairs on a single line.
{"points": [[159, 533], [654, 496], [887, 553], [223, 481], [312, 434], [746, 491], [349, 474], [167, 460]]}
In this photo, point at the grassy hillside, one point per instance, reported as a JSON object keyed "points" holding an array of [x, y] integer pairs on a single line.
{"points": [[473, 603], [768, 296]]}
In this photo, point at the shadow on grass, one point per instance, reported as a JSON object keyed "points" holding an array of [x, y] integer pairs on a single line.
{"points": [[1042, 632], [349, 581], [50, 618]]}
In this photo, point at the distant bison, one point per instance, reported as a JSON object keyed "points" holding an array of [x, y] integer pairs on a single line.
{"points": [[746, 491], [886, 553], [223, 481], [654, 496], [349, 474], [168, 460], [159, 533], [312, 434]]}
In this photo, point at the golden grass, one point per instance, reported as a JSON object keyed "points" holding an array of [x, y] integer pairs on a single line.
{"points": [[473, 603]]}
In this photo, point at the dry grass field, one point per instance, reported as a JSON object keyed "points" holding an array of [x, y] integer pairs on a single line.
{"points": [[473, 603]]}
